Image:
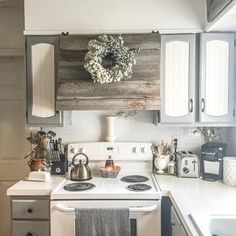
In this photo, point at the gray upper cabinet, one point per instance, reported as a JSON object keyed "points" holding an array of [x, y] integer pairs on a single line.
{"points": [[42, 60], [216, 93], [178, 97]]}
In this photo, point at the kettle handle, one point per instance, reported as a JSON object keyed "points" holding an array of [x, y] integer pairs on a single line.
{"points": [[73, 160]]}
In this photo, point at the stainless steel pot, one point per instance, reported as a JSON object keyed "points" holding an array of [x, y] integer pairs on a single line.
{"points": [[80, 171]]}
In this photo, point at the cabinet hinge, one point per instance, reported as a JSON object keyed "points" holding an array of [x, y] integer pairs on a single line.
{"points": [[64, 33], [233, 112]]}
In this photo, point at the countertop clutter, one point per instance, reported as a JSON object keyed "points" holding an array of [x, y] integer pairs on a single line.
{"points": [[196, 197]]}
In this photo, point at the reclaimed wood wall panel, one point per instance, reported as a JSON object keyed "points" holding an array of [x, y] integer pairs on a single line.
{"points": [[76, 89], [215, 7]]}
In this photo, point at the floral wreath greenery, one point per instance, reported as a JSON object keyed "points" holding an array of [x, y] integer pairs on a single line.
{"points": [[123, 57]]}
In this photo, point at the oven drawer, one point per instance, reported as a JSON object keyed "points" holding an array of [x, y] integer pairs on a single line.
{"points": [[30, 228], [31, 209]]}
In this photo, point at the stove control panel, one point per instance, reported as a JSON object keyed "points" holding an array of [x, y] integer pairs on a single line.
{"points": [[117, 150]]}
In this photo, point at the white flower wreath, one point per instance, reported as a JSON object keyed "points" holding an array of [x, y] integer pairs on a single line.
{"points": [[124, 59]]}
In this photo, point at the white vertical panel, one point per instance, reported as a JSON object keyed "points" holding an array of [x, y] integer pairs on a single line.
{"points": [[43, 84], [177, 78], [217, 78]]}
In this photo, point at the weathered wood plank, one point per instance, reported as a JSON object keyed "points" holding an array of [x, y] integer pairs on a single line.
{"points": [[113, 104], [143, 41], [76, 89], [78, 73], [76, 58], [123, 89], [215, 7]]}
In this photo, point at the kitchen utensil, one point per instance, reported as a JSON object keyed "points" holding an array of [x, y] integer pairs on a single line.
{"points": [[229, 171], [187, 164], [161, 147], [80, 171]]}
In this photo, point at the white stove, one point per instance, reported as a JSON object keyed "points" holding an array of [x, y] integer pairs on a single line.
{"points": [[109, 188], [135, 159]]}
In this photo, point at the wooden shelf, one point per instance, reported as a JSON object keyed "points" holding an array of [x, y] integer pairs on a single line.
{"points": [[8, 52]]}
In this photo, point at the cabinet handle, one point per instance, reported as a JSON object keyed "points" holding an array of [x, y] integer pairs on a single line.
{"points": [[202, 105], [30, 210], [191, 105], [30, 234]]}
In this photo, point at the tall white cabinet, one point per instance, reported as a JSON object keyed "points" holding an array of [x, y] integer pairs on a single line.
{"points": [[178, 78], [216, 77]]}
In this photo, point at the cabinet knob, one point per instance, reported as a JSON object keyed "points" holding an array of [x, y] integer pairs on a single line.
{"points": [[191, 105], [30, 234], [30, 210], [202, 105]]}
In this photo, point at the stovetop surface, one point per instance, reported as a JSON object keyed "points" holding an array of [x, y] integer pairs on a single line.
{"points": [[109, 188]]}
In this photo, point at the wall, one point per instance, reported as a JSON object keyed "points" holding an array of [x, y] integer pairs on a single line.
{"points": [[113, 15], [229, 135], [86, 126]]}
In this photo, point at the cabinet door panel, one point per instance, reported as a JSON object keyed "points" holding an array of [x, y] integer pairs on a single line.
{"points": [[178, 78], [216, 77], [42, 81]]}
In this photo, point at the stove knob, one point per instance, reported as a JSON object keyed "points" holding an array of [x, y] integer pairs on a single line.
{"points": [[135, 150], [74, 150], [143, 150], [83, 150]]}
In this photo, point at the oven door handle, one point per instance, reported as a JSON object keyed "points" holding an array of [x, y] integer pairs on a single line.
{"points": [[131, 209]]}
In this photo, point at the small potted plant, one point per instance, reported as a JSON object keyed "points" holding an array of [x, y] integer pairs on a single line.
{"points": [[40, 155]]}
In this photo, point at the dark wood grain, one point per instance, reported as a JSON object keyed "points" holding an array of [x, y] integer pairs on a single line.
{"points": [[76, 89]]}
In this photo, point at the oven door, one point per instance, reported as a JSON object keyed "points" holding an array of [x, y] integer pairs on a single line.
{"points": [[144, 215]]}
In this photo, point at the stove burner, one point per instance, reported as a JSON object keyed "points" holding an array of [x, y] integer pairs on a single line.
{"points": [[134, 179], [139, 187], [78, 187]]}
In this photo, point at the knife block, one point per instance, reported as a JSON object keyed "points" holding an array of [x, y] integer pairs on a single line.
{"points": [[59, 167]]}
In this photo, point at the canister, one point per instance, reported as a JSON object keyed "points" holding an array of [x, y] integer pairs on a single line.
{"points": [[229, 171]]}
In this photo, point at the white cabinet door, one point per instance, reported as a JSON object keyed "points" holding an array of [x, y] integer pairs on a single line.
{"points": [[216, 77], [178, 78]]}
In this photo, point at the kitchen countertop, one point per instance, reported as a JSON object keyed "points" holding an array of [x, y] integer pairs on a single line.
{"points": [[34, 188], [197, 197]]}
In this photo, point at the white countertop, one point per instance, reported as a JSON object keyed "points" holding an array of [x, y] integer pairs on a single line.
{"points": [[197, 197], [33, 188]]}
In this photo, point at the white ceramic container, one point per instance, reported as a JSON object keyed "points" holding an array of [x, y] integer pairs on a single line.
{"points": [[229, 171]]}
